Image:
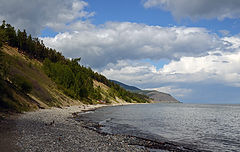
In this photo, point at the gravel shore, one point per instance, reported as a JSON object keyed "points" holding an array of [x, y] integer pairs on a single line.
{"points": [[56, 130]]}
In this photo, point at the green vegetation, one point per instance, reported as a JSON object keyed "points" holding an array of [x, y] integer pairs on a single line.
{"points": [[14, 85], [12, 95], [77, 81], [4, 65], [22, 83], [71, 78], [32, 47], [120, 92], [14, 100]]}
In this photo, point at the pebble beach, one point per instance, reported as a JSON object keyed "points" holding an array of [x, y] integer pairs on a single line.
{"points": [[55, 130]]}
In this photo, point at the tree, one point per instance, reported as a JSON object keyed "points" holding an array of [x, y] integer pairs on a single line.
{"points": [[74, 79], [11, 35], [3, 36], [3, 24], [30, 45]]}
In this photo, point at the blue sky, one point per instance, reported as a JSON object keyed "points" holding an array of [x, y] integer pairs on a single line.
{"points": [[188, 48], [134, 11]]}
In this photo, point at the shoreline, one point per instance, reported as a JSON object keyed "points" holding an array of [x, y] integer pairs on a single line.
{"points": [[56, 129], [149, 144]]}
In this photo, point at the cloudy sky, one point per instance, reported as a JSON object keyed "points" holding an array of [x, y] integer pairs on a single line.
{"points": [[188, 48]]}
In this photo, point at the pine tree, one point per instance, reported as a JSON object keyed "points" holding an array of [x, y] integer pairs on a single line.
{"points": [[11, 35]]}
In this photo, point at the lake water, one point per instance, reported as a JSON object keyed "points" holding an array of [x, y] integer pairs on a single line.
{"points": [[202, 127]]}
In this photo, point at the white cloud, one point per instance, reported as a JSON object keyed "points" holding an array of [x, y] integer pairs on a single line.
{"points": [[132, 72], [118, 50], [115, 41], [234, 42], [35, 15], [224, 32], [217, 67], [197, 9]]}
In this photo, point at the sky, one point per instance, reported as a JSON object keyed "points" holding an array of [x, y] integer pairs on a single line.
{"points": [[188, 48]]}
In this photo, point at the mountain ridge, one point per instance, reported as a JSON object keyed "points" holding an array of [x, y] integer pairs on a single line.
{"points": [[125, 86], [155, 95]]}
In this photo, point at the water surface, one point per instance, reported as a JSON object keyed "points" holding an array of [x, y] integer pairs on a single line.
{"points": [[204, 127]]}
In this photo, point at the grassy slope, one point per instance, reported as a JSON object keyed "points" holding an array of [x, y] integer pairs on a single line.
{"points": [[45, 92], [11, 99], [105, 93]]}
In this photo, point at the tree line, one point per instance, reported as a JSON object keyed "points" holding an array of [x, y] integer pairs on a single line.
{"points": [[74, 79], [32, 47]]}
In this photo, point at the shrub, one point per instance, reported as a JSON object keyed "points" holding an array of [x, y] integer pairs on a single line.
{"points": [[22, 83]]}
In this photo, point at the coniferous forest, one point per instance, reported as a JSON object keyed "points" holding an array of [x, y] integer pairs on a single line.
{"points": [[75, 80]]}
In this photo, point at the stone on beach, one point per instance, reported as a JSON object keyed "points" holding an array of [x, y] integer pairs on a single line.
{"points": [[63, 133]]}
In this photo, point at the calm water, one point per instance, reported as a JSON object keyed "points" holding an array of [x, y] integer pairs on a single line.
{"points": [[205, 127]]}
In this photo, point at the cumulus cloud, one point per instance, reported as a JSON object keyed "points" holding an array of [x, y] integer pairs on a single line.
{"points": [[218, 67], [212, 68], [118, 49], [146, 76], [108, 43], [197, 9], [34, 15]]}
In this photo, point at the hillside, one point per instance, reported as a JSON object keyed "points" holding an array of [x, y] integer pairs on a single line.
{"points": [[22, 70], [127, 87], [33, 76], [156, 96]]}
